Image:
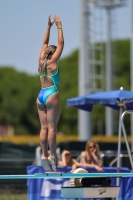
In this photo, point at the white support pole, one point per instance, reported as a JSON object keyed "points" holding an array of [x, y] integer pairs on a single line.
{"points": [[109, 121], [84, 118]]}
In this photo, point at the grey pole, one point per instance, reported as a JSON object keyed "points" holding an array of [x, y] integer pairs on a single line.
{"points": [[109, 121], [119, 146], [131, 68], [84, 118], [125, 135]]}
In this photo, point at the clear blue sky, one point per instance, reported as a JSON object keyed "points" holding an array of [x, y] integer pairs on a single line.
{"points": [[23, 24]]}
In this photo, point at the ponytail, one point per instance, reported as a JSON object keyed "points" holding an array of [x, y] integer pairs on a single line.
{"points": [[48, 54]]}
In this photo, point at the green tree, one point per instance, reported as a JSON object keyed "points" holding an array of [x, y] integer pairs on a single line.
{"points": [[18, 93], [68, 88]]}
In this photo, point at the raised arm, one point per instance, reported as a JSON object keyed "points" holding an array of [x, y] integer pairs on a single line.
{"points": [[60, 45], [45, 42]]}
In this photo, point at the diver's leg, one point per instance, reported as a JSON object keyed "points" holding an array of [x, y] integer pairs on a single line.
{"points": [[53, 113], [43, 135]]}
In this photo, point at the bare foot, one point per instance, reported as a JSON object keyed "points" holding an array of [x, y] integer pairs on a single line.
{"points": [[45, 164], [52, 162]]}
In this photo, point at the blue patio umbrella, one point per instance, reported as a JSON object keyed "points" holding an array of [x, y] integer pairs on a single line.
{"points": [[116, 99]]}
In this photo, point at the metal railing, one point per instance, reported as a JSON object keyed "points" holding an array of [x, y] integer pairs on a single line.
{"points": [[15, 188]]}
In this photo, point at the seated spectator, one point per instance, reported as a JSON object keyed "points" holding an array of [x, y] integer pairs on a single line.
{"points": [[90, 157], [67, 160]]}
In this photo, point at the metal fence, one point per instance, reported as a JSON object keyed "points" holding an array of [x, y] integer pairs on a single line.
{"points": [[14, 189]]}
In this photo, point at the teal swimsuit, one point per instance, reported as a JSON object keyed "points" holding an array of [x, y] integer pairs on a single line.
{"points": [[47, 92]]}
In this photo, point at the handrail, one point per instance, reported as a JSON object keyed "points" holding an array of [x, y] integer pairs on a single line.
{"points": [[125, 135]]}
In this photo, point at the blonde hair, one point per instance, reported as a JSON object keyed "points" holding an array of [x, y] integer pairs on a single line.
{"points": [[48, 54], [96, 145]]}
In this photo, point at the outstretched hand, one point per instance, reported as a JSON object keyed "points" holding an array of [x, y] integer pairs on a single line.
{"points": [[57, 21], [49, 21]]}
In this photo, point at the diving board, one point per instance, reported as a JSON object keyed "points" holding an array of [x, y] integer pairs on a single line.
{"points": [[65, 175]]}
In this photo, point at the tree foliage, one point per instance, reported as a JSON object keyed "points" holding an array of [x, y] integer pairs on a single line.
{"points": [[18, 93]]}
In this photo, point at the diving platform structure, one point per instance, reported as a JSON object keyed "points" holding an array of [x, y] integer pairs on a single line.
{"points": [[84, 184]]}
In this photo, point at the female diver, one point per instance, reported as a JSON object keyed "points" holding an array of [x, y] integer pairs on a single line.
{"points": [[48, 100]]}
